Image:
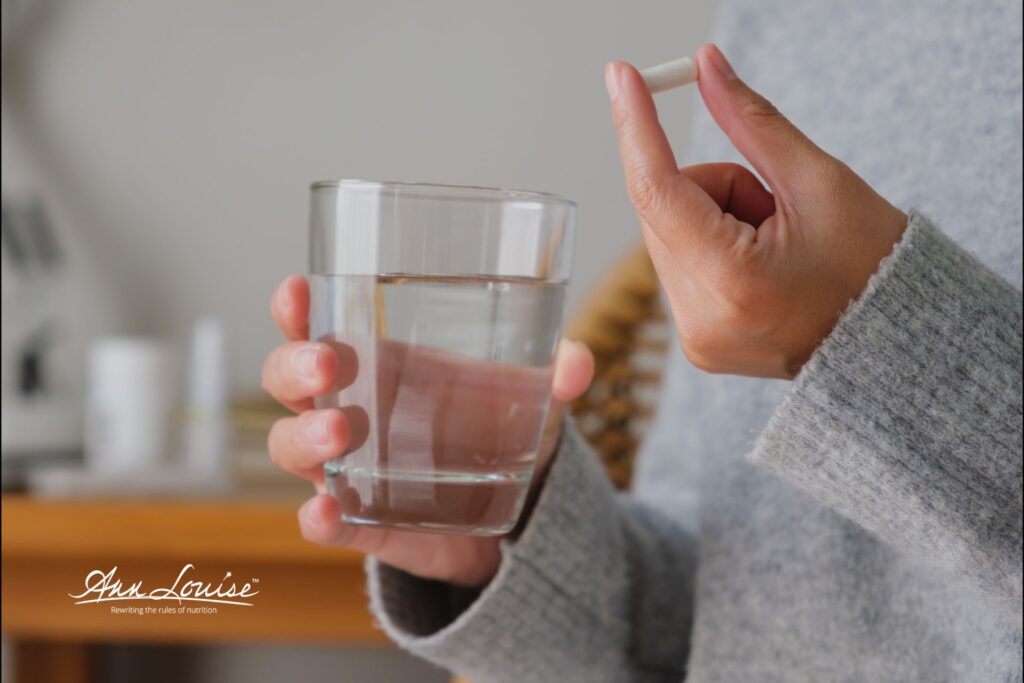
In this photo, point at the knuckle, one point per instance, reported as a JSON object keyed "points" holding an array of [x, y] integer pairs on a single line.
{"points": [[706, 360], [643, 192], [697, 346], [734, 174], [699, 361], [758, 108], [297, 441], [833, 176]]}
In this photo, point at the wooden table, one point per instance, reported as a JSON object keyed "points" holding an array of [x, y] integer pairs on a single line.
{"points": [[306, 593]]}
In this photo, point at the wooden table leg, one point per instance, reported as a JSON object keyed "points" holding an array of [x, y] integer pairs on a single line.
{"points": [[50, 661]]}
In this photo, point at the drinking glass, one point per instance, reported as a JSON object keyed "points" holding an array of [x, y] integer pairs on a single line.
{"points": [[444, 306]]}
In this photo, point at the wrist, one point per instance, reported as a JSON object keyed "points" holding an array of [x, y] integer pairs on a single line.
{"points": [[889, 227]]}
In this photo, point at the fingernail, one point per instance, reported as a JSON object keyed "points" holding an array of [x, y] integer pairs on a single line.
{"points": [[720, 64], [612, 78], [304, 361], [316, 432]]}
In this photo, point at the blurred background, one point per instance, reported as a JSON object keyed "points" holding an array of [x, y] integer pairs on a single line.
{"points": [[156, 163]]}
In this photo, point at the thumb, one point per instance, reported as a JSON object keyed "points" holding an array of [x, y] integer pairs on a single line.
{"points": [[775, 147], [574, 368]]}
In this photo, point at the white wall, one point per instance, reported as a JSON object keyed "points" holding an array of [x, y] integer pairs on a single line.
{"points": [[186, 133]]}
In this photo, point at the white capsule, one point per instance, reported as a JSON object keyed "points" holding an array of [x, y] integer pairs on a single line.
{"points": [[670, 74]]}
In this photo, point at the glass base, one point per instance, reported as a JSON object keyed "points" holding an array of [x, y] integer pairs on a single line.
{"points": [[432, 528], [468, 503]]}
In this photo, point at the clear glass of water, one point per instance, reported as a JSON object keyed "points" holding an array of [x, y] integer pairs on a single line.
{"points": [[444, 306]]}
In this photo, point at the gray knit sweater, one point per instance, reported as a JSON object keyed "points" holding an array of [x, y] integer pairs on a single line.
{"points": [[862, 523]]}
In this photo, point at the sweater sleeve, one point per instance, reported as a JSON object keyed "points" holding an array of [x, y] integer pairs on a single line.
{"points": [[908, 420], [579, 596]]}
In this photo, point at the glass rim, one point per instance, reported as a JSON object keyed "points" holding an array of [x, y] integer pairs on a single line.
{"points": [[472, 192]]}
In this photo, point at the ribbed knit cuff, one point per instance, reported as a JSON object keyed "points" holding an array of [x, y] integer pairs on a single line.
{"points": [[908, 417], [550, 604]]}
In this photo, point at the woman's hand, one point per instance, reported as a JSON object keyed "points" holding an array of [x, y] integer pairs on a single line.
{"points": [[299, 370], [756, 279]]}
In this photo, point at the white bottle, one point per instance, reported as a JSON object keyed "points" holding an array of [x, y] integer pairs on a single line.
{"points": [[131, 404]]}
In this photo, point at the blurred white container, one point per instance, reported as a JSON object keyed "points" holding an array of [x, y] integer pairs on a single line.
{"points": [[131, 404], [206, 424]]}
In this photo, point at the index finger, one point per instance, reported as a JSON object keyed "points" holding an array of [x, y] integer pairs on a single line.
{"points": [[674, 206], [290, 307]]}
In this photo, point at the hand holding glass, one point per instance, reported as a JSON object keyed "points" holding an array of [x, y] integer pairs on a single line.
{"points": [[443, 305]]}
